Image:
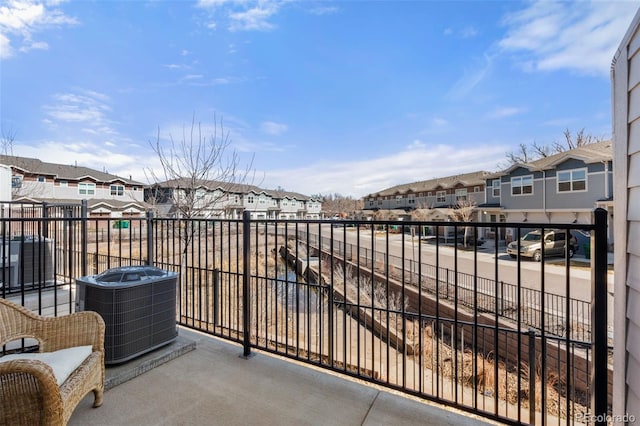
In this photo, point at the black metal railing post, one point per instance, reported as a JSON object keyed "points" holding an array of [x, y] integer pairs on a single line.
{"points": [[150, 242], [246, 300], [599, 366], [532, 376], [45, 220], [216, 283], [84, 238]]}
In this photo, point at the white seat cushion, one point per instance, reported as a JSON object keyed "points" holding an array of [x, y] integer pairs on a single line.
{"points": [[63, 362]]}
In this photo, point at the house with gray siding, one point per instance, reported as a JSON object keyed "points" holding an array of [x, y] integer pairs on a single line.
{"points": [[562, 188], [625, 76]]}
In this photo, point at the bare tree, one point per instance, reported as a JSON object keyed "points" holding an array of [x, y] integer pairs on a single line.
{"points": [[198, 172], [572, 142], [19, 188], [421, 214], [527, 153], [520, 156], [7, 138], [337, 204], [190, 165], [463, 211]]}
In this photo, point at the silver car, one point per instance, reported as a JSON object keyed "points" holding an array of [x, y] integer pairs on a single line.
{"points": [[554, 244]]}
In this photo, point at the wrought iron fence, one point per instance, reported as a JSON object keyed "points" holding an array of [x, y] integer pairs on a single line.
{"points": [[513, 340]]}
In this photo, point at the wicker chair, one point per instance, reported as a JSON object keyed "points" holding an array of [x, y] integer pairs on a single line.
{"points": [[29, 392]]}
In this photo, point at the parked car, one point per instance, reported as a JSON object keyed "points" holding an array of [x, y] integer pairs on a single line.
{"points": [[554, 244]]}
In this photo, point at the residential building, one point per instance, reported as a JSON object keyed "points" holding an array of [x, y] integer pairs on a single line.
{"points": [[561, 188], [626, 128], [437, 196], [225, 200], [107, 195]]}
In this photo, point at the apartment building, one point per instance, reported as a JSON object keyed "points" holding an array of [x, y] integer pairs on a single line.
{"points": [[107, 195], [625, 99], [561, 188], [437, 195], [215, 199]]}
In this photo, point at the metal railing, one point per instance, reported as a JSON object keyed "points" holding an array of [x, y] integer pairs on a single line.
{"points": [[510, 339]]}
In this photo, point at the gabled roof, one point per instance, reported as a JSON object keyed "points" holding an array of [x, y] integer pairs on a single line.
{"points": [[466, 179], [590, 153], [236, 188], [61, 171], [210, 185], [91, 203]]}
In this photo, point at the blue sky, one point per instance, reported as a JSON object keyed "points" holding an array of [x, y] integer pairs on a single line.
{"points": [[346, 97]]}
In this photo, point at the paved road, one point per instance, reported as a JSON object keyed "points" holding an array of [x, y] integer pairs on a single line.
{"points": [[552, 279]]}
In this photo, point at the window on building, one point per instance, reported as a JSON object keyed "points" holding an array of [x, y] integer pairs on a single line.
{"points": [[495, 188], [250, 199], [117, 190], [16, 181], [42, 179], [87, 188], [441, 196], [63, 183], [461, 194], [572, 180], [522, 185], [429, 194], [476, 189], [398, 199]]}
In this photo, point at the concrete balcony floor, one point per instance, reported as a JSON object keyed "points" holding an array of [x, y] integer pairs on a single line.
{"points": [[214, 385]]}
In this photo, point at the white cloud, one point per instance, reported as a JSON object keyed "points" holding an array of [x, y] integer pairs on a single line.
{"points": [[254, 19], [503, 112], [36, 45], [323, 10], [466, 32], [176, 66], [20, 20], [578, 36], [242, 15], [86, 108], [213, 3], [418, 161], [98, 156], [5, 47], [473, 76], [273, 128], [439, 122]]}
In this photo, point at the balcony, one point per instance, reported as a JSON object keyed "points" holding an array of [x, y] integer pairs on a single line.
{"points": [[466, 327], [213, 384]]}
